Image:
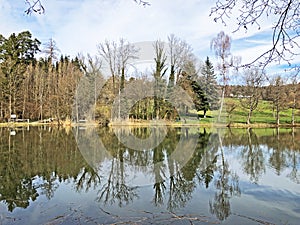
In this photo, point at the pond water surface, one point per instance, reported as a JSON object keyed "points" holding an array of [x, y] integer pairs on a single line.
{"points": [[88, 175]]}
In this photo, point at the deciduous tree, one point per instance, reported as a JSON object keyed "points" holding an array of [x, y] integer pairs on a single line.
{"points": [[221, 46], [160, 71], [278, 94], [251, 92], [283, 14]]}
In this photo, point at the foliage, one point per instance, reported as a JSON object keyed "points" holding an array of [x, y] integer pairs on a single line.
{"points": [[31, 88], [57, 89], [208, 81], [16, 52]]}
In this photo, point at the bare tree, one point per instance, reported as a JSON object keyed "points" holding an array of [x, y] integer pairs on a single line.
{"points": [[159, 73], [117, 56], [221, 46], [293, 95], [278, 96], [179, 52], [90, 85], [253, 78], [126, 52], [283, 13], [109, 51], [143, 3], [174, 51], [51, 50]]}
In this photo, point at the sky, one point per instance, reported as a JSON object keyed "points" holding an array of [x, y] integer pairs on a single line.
{"points": [[78, 26]]}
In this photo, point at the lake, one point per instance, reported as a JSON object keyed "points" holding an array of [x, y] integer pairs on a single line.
{"points": [[158, 175]]}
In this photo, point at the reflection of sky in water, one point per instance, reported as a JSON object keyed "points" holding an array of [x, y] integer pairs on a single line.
{"points": [[262, 202], [275, 198], [269, 177]]}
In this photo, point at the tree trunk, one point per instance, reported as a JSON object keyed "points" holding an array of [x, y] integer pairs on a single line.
{"points": [[221, 105], [10, 106], [249, 116], [293, 111], [277, 115]]}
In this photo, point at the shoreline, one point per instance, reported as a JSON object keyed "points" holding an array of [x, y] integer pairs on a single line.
{"points": [[151, 123]]}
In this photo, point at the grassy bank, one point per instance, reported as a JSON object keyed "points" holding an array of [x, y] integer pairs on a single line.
{"points": [[264, 114], [234, 116]]}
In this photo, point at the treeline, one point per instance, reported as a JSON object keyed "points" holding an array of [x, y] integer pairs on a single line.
{"points": [[31, 88], [281, 92], [65, 88], [103, 88]]}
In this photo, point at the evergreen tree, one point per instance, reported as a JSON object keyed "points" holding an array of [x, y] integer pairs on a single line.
{"points": [[16, 53], [195, 91], [208, 81], [199, 98]]}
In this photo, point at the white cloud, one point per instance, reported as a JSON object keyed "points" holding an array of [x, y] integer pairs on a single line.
{"points": [[79, 25]]}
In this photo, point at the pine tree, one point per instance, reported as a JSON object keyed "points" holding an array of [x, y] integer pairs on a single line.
{"points": [[16, 52], [208, 81], [195, 91], [199, 98]]}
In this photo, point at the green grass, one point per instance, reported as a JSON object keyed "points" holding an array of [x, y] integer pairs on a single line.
{"points": [[263, 114]]}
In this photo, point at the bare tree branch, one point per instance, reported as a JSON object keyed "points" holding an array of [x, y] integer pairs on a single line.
{"points": [[143, 3], [36, 6], [286, 26]]}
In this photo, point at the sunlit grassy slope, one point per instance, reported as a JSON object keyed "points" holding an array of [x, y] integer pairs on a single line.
{"points": [[234, 113]]}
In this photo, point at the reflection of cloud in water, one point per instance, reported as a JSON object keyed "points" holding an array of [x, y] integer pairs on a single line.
{"points": [[275, 198], [266, 193]]}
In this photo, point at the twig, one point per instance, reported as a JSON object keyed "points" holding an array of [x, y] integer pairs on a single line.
{"points": [[254, 219]]}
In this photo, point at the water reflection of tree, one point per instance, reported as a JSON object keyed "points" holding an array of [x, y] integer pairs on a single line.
{"points": [[253, 158], [33, 162], [209, 142], [159, 175], [182, 183], [88, 178], [37, 161], [294, 175], [16, 187], [49, 185], [179, 189], [16, 190], [169, 176], [200, 167], [227, 185], [277, 146], [294, 158], [281, 150], [115, 189]]}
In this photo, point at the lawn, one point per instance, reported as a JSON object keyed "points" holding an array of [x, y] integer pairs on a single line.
{"points": [[234, 113]]}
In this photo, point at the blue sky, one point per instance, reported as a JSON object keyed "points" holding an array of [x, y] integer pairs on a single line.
{"points": [[78, 26]]}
